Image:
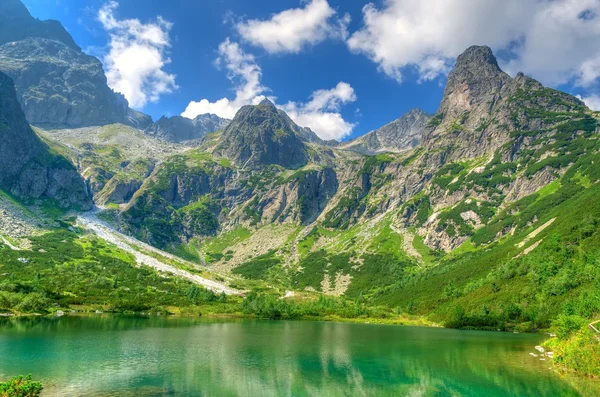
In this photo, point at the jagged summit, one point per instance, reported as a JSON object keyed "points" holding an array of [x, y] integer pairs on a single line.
{"points": [[476, 78], [401, 134], [16, 23], [180, 129], [261, 135], [477, 55]]}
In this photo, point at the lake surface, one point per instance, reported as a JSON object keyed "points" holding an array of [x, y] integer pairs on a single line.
{"points": [[134, 356]]}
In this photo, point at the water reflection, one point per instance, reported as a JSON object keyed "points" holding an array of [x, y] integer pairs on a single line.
{"points": [[108, 355]]}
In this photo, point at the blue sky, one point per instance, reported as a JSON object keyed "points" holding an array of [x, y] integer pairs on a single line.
{"points": [[341, 67]]}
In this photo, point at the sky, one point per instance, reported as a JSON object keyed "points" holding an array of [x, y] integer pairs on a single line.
{"points": [[340, 67]]}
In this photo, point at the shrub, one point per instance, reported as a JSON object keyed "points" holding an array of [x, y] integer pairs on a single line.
{"points": [[20, 386], [34, 303], [568, 324]]}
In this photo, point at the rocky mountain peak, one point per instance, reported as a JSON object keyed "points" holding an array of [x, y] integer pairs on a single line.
{"points": [[401, 134], [477, 56], [474, 80], [268, 104], [16, 23], [262, 135]]}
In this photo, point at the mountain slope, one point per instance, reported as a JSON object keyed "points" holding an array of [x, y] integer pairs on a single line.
{"points": [[401, 134], [29, 169]]}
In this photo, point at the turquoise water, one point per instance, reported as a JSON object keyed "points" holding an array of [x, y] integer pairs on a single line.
{"points": [[133, 356]]}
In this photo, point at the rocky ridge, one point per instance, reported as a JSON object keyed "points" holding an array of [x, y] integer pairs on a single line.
{"points": [[181, 129], [404, 133]]}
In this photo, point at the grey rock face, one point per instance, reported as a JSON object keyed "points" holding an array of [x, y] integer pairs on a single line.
{"points": [[124, 191], [17, 24], [260, 135], [207, 123], [57, 85], [476, 79], [138, 120], [401, 134], [28, 168], [315, 190], [180, 129]]}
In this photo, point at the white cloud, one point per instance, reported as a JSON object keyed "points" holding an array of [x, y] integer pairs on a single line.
{"points": [[553, 40], [137, 56], [592, 101], [321, 113], [292, 30], [242, 70]]}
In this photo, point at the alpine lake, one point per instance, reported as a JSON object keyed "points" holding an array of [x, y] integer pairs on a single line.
{"points": [[109, 355]]}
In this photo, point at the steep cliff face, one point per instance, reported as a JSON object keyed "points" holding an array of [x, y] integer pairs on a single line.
{"points": [[29, 169], [259, 135], [58, 85], [181, 129], [401, 134], [16, 24]]}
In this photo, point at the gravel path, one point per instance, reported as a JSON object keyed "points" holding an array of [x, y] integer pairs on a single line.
{"points": [[5, 241], [90, 222]]}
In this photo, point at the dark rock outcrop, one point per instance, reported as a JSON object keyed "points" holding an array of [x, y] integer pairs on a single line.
{"points": [[315, 189], [29, 169]]}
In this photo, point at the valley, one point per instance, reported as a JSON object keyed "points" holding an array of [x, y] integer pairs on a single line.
{"points": [[482, 216]]}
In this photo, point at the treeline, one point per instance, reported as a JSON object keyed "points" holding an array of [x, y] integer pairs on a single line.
{"points": [[268, 306]]}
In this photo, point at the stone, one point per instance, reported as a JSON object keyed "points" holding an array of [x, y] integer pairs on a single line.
{"points": [[401, 134]]}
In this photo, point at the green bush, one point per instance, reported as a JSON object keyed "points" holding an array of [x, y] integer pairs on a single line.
{"points": [[567, 324], [20, 386], [34, 302]]}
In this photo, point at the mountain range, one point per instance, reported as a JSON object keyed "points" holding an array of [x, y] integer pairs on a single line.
{"points": [[483, 214]]}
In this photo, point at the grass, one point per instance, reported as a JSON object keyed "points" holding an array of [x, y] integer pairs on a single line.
{"points": [[578, 353], [427, 254]]}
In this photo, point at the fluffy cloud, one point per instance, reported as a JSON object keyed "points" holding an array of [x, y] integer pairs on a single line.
{"points": [[554, 40], [592, 101], [244, 72], [291, 30], [321, 113], [136, 57]]}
